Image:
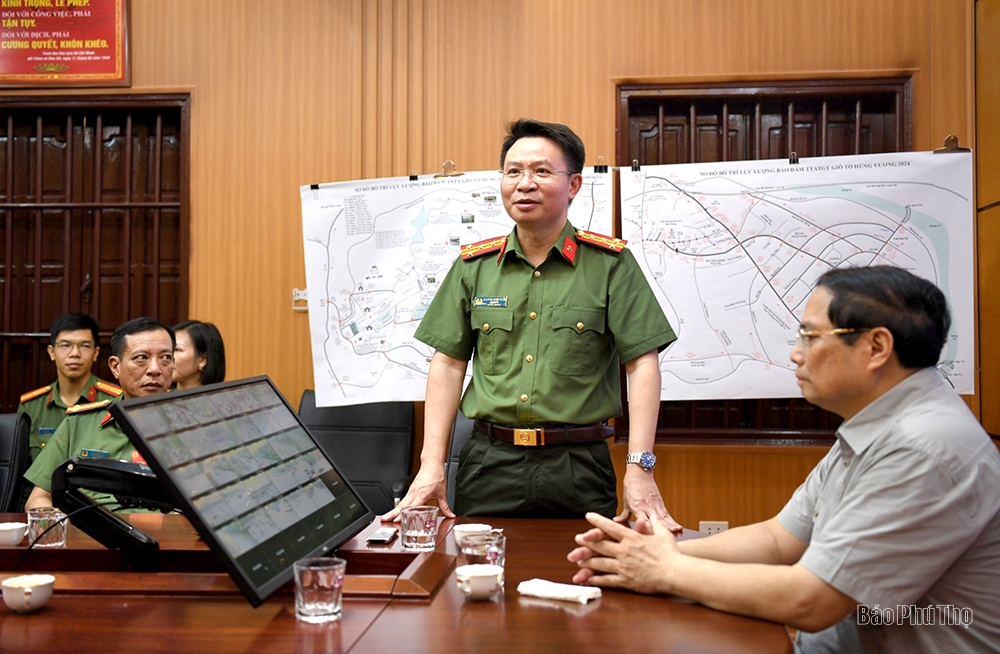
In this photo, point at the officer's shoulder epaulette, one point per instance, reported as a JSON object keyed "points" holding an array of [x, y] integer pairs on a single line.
{"points": [[110, 389], [38, 392], [609, 243], [473, 250], [83, 408]]}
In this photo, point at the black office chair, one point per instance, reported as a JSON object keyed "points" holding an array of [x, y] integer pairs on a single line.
{"points": [[461, 430], [371, 444], [15, 429]]}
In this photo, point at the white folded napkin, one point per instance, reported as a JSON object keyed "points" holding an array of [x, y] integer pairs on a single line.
{"points": [[552, 590]]}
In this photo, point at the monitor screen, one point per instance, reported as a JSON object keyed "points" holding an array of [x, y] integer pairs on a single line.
{"points": [[248, 475]]}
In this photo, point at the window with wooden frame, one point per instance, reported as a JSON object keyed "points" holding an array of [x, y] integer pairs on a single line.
{"points": [[94, 202], [673, 124]]}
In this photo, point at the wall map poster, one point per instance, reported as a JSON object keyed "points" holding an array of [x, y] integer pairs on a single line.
{"points": [[376, 252], [64, 43], [733, 251]]}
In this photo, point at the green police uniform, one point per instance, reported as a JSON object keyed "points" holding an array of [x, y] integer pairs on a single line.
{"points": [[46, 409], [88, 430], [547, 343]]}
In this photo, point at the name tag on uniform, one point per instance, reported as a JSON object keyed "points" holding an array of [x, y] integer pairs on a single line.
{"points": [[489, 301], [93, 454], [45, 431]]}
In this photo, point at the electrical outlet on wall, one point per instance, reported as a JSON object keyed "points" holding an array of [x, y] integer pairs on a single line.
{"points": [[713, 526]]}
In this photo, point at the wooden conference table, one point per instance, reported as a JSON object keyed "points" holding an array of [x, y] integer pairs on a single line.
{"points": [[395, 601]]}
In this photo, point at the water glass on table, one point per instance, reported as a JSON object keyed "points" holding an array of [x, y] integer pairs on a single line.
{"points": [[319, 586], [419, 527], [46, 527], [490, 549]]}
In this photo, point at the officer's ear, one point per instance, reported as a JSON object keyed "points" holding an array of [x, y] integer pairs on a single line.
{"points": [[113, 363], [575, 184], [52, 352]]}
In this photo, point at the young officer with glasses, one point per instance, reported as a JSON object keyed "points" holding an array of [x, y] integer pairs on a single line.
{"points": [[73, 348]]}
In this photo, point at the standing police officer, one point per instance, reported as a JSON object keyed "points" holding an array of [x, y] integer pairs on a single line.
{"points": [[549, 312]]}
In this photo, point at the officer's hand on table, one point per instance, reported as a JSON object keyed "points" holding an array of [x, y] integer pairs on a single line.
{"points": [[426, 486], [642, 498], [614, 555]]}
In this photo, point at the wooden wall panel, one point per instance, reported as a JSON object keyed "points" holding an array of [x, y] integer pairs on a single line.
{"points": [[989, 318], [275, 90], [988, 103], [988, 194], [740, 484]]}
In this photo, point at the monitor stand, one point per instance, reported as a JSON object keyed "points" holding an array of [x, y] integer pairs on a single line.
{"points": [[133, 485]]}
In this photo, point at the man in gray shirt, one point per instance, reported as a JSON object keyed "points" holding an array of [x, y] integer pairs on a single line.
{"points": [[893, 541]]}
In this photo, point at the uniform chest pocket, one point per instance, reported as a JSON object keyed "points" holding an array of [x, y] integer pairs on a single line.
{"points": [[494, 345], [578, 340]]}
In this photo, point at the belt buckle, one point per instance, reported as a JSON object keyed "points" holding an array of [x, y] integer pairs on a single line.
{"points": [[529, 437]]}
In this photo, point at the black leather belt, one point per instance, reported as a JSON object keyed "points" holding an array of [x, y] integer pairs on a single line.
{"points": [[545, 435]]}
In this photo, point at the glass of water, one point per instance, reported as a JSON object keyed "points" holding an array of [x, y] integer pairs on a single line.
{"points": [[484, 549], [419, 527], [46, 527], [319, 589]]}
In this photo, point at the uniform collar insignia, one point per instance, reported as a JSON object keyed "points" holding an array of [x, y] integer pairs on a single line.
{"points": [[569, 249]]}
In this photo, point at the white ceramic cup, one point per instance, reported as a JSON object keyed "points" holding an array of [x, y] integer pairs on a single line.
{"points": [[27, 592], [463, 531], [479, 581], [12, 533]]}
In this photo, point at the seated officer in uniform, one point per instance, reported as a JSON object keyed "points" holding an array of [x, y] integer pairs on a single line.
{"points": [[73, 348], [548, 312], [892, 543], [142, 359]]}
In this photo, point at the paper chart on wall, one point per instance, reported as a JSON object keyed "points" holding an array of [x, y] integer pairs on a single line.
{"points": [[733, 250], [377, 250]]}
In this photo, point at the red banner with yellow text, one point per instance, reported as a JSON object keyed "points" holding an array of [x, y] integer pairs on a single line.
{"points": [[64, 42]]}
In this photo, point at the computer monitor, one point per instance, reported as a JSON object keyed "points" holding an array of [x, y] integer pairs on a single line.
{"points": [[248, 475]]}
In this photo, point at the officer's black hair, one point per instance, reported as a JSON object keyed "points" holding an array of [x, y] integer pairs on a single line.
{"points": [[567, 140], [71, 322], [137, 326]]}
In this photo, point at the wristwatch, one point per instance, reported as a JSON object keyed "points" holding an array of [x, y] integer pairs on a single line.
{"points": [[645, 459]]}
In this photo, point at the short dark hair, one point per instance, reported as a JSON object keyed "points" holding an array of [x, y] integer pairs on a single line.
{"points": [[913, 309], [137, 326], [567, 140], [71, 322], [207, 341]]}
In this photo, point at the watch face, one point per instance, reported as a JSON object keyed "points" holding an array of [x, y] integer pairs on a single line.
{"points": [[647, 460]]}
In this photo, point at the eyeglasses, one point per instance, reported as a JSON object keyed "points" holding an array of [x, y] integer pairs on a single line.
{"points": [[541, 176], [805, 336], [67, 346]]}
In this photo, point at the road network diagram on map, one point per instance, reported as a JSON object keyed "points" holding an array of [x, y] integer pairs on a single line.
{"points": [[377, 250], [733, 250]]}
